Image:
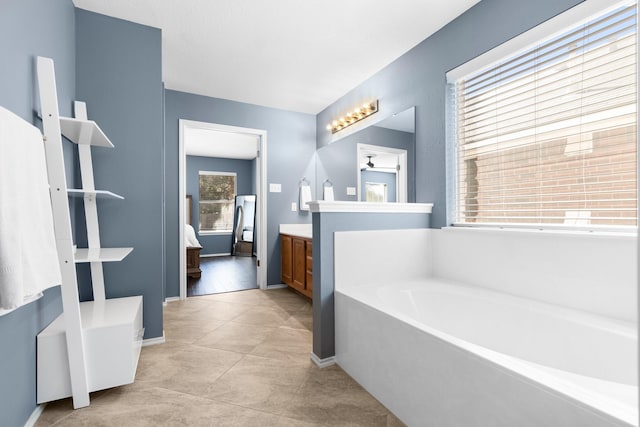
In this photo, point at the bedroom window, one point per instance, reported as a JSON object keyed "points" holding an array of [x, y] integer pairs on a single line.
{"points": [[547, 136], [216, 198]]}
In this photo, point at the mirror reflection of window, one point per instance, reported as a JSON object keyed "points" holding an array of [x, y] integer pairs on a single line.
{"points": [[375, 192]]}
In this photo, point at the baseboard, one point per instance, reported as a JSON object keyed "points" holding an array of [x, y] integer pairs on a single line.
{"points": [[323, 363], [170, 299], [33, 419], [153, 341], [214, 255], [277, 286]]}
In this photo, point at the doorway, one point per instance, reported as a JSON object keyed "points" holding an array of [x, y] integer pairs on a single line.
{"points": [[382, 174], [235, 146]]}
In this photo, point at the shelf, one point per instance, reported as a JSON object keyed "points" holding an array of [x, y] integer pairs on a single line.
{"points": [[112, 331], [101, 254], [85, 132], [99, 194]]}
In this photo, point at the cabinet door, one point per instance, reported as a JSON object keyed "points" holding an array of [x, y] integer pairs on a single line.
{"points": [[299, 263], [309, 284], [287, 259]]}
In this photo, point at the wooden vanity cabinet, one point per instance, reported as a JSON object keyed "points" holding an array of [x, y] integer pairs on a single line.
{"points": [[297, 264], [287, 258]]}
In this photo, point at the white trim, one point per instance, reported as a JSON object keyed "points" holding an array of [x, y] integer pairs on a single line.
{"points": [[551, 228], [171, 299], [523, 228], [153, 341], [215, 255], [261, 192], [333, 206], [570, 18], [277, 286], [322, 363], [215, 233], [35, 415], [219, 173]]}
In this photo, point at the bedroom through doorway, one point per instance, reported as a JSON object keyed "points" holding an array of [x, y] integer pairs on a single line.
{"points": [[221, 182]]}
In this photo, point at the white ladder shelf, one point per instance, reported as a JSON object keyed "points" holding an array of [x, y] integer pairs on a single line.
{"points": [[95, 344]]}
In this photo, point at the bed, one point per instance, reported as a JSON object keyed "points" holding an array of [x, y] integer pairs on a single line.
{"points": [[192, 244]]}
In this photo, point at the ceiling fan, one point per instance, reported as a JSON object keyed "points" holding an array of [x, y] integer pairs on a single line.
{"points": [[370, 163]]}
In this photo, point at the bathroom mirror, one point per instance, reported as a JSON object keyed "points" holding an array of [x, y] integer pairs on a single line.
{"points": [[346, 163], [244, 225]]}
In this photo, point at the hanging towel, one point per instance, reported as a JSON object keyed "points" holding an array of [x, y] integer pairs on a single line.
{"points": [[328, 193], [305, 197], [28, 255]]}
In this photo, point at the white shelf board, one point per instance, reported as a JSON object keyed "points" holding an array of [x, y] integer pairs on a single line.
{"points": [[101, 254], [324, 206], [100, 194], [84, 132], [99, 314]]}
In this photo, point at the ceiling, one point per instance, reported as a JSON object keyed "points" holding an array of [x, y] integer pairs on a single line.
{"points": [[213, 143], [289, 54]]}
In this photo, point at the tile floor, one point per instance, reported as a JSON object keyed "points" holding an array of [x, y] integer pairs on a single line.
{"points": [[223, 274], [234, 359]]}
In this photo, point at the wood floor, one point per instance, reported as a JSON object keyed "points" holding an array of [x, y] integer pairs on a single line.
{"points": [[223, 274], [232, 359]]}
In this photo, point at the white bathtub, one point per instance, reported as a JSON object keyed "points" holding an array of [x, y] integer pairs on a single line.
{"points": [[441, 353], [588, 361]]}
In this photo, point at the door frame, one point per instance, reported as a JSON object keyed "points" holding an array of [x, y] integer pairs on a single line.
{"points": [[261, 193]]}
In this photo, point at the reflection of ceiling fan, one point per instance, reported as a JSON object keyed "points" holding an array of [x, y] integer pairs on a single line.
{"points": [[370, 163]]}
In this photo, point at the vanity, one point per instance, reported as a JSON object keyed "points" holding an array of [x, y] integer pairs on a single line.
{"points": [[297, 257]]}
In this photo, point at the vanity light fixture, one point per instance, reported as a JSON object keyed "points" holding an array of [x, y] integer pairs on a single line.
{"points": [[367, 109]]}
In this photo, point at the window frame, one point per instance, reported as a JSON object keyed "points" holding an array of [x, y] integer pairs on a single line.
{"points": [[235, 193], [553, 27]]}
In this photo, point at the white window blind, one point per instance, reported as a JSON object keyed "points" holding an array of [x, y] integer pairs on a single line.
{"points": [[548, 135]]}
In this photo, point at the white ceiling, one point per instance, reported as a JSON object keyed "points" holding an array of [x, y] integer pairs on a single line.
{"points": [[211, 143], [297, 55]]}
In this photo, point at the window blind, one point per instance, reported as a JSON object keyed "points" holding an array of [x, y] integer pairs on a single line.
{"points": [[548, 135]]}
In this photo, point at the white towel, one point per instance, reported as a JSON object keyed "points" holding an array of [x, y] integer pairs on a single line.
{"points": [[328, 193], [28, 255], [305, 197]]}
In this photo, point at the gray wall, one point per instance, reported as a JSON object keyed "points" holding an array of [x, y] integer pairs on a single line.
{"points": [[338, 161], [418, 79], [29, 28], [290, 156], [216, 244], [324, 227], [118, 68]]}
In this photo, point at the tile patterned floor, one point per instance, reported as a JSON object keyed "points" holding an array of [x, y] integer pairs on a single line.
{"points": [[223, 274], [234, 359]]}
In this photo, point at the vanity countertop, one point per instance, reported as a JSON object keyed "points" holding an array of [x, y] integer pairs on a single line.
{"points": [[299, 230]]}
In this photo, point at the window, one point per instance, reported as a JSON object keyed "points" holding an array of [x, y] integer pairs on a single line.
{"points": [[216, 203], [548, 136], [375, 192]]}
